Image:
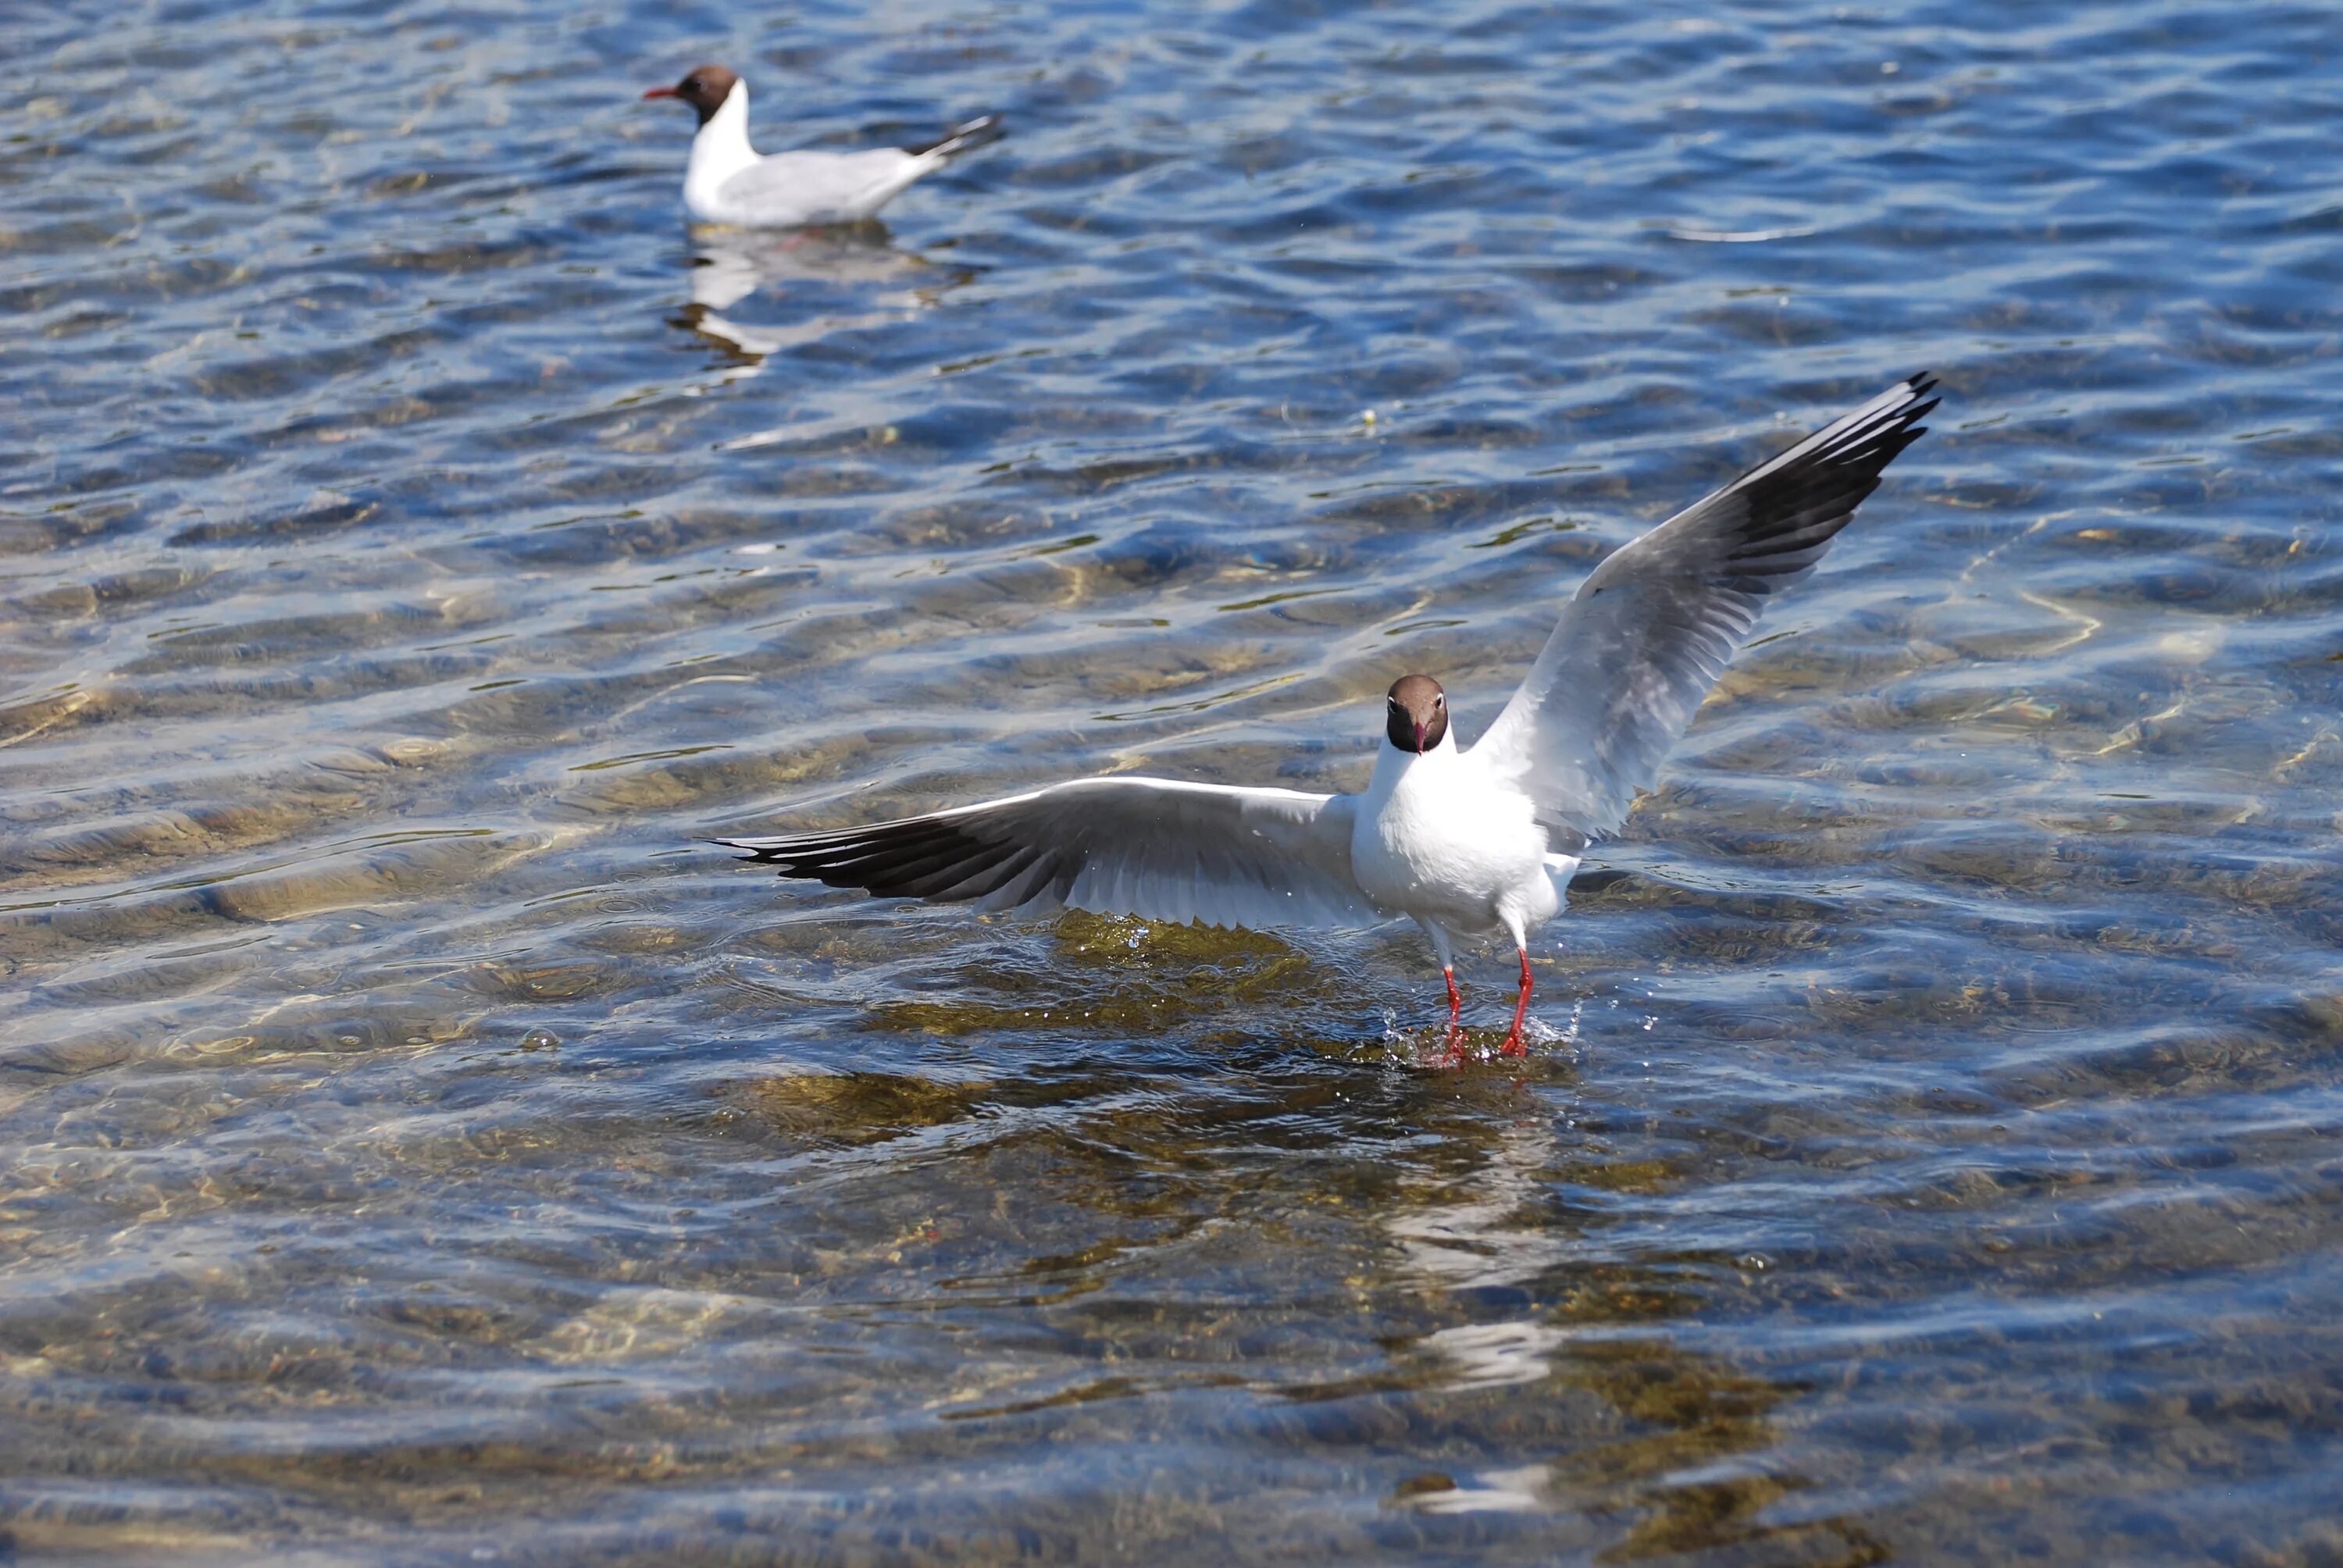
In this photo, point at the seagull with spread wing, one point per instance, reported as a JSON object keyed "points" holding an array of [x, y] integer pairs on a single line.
{"points": [[1469, 842]]}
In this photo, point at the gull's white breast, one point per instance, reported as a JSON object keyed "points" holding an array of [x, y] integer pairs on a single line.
{"points": [[1438, 837], [720, 150]]}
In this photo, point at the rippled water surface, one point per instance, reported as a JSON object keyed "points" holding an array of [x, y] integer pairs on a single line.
{"points": [[415, 1147]]}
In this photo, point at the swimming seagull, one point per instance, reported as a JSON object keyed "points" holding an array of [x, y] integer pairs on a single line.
{"points": [[1467, 842], [727, 181]]}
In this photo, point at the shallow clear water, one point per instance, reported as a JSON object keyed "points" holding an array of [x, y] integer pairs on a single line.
{"points": [[415, 1148]]}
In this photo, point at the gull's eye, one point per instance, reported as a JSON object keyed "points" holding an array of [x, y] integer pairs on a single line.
{"points": [[1440, 702]]}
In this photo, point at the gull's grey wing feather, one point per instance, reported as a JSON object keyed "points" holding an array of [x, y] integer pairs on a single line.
{"points": [[824, 187], [1205, 853], [1650, 630]]}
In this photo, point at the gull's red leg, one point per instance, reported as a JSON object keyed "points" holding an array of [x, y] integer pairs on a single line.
{"points": [[1514, 1046], [1455, 1015]]}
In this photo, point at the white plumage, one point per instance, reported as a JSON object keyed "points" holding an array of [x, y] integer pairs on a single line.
{"points": [[1469, 843], [727, 181]]}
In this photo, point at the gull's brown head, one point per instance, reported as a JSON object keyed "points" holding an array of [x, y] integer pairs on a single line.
{"points": [[1416, 716], [704, 88]]}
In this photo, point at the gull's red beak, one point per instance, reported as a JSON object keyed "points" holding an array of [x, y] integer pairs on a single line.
{"points": [[1419, 740], [662, 93]]}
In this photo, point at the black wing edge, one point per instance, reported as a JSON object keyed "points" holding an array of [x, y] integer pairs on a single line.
{"points": [[932, 857], [1801, 504], [963, 137]]}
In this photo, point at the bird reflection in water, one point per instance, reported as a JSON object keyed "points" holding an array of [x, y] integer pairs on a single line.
{"points": [[1692, 1460], [806, 285]]}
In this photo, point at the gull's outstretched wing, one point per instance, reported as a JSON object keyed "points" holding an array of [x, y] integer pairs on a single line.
{"points": [[1654, 625], [1120, 846]]}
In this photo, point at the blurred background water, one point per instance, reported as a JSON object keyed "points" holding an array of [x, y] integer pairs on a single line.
{"points": [[415, 1148]]}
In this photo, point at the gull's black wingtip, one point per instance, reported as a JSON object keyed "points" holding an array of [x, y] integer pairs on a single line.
{"points": [[966, 136], [1916, 385], [748, 851]]}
